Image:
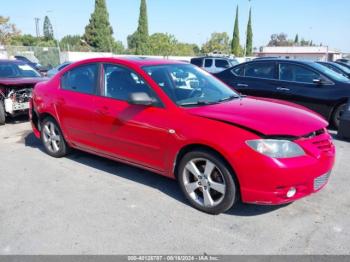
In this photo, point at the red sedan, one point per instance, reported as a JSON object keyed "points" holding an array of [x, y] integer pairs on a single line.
{"points": [[176, 120]]}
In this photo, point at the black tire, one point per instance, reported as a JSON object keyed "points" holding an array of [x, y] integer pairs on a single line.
{"points": [[221, 170], [2, 113], [62, 146], [337, 115]]}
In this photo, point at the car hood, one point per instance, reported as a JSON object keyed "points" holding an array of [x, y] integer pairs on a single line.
{"points": [[21, 81], [270, 118]]}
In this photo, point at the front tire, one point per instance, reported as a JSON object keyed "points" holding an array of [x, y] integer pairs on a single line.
{"points": [[2, 113], [52, 138], [207, 182]]}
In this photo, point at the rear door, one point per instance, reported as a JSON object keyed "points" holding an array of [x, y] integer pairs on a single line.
{"points": [[256, 79], [74, 103], [209, 65]]}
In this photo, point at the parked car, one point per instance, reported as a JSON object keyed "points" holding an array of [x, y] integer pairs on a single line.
{"points": [[219, 145], [17, 80], [214, 64], [343, 64], [306, 83], [55, 70], [344, 61], [42, 69], [339, 68]]}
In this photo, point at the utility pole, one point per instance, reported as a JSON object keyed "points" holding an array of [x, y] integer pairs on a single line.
{"points": [[37, 28]]}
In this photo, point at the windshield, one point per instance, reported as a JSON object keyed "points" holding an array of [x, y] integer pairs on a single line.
{"points": [[188, 85], [330, 73], [17, 70]]}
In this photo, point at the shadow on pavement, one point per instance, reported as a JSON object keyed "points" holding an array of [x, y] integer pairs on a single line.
{"points": [[163, 184], [17, 120]]}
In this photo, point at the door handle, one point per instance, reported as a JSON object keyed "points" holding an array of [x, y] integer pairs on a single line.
{"points": [[61, 101], [103, 111], [283, 89], [242, 85]]}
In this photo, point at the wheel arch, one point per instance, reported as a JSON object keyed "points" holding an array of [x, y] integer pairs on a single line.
{"points": [[340, 102], [192, 147]]}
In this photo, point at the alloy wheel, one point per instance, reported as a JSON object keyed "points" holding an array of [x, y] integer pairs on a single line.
{"points": [[52, 137], [204, 182]]}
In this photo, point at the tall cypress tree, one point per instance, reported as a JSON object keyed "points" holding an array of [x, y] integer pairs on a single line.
{"points": [[236, 48], [48, 29], [296, 40], [99, 32], [141, 41], [249, 43]]}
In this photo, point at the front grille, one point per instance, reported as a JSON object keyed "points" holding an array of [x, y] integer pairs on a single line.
{"points": [[321, 181]]}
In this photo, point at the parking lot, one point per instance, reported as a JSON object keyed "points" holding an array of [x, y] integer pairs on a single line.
{"points": [[84, 204]]}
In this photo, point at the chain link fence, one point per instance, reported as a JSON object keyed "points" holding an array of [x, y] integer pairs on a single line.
{"points": [[46, 56]]}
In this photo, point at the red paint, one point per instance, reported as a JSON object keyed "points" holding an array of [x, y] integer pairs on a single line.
{"points": [[140, 135]]}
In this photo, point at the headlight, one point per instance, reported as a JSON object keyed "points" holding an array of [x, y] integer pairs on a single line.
{"points": [[276, 148]]}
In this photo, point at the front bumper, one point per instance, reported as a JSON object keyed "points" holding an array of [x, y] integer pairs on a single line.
{"points": [[266, 181]]}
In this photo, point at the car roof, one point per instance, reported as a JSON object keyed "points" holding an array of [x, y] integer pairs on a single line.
{"points": [[11, 61], [135, 61], [305, 62], [218, 57]]}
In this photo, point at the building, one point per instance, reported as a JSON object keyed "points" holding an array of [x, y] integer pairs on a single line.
{"points": [[314, 53]]}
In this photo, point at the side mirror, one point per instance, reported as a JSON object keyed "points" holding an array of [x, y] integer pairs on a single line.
{"points": [[318, 81], [141, 98]]}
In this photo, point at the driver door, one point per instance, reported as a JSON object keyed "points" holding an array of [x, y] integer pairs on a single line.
{"points": [[134, 133]]}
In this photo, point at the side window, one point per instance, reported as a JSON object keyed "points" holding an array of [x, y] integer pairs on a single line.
{"points": [[208, 63], [82, 79], [238, 71], [222, 63], [260, 70], [296, 73], [120, 82], [197, 62]]}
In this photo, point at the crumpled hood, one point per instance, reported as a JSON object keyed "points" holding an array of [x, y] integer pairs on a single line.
{"points": [[264, 116], [21, 81]]}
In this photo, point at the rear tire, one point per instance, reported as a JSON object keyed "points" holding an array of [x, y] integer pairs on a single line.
{"points": [[337, 115], [207, 182], [2, 113], [53, 139]]}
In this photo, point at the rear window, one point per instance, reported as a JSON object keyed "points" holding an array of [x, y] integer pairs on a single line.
{"points": [[82, 79], [197, 61]]}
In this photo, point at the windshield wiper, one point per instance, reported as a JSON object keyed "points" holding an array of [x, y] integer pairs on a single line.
{"points": [[228, 98], [198, 103]]}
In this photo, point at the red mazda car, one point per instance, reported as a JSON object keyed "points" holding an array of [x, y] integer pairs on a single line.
{"points": [[176, 120]]}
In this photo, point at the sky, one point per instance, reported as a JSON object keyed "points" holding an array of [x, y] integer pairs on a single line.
{"points": [[193, 21]]}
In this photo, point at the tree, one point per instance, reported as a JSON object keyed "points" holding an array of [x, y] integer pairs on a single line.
{"points": [[218, 42], [162, 44], [48, 29], [74, 43], [185, 49], [99, 32], [138, 41], [296, 40], [249, 43], [280, 40], [236, 47], [7, 30]]}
